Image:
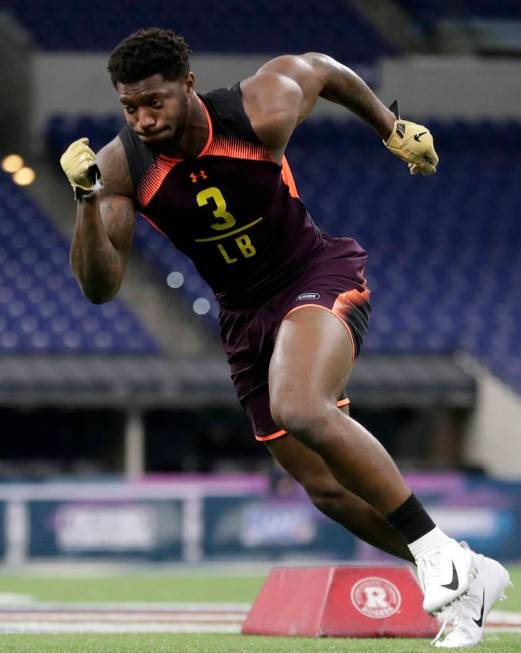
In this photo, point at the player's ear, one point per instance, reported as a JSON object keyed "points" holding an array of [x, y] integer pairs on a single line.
{"points": [[190, 82]]}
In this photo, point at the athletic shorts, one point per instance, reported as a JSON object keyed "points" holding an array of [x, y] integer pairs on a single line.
{"points": [[335, 282]]}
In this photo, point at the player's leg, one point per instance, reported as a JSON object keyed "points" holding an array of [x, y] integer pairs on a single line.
{"points": [[326, 493], [309, 369]]}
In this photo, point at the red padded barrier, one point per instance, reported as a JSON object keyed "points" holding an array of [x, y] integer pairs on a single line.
{"points": [[340, 601]]}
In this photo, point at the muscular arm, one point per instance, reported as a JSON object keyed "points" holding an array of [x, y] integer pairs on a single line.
{"points": [[104, 228], [284, 91]]}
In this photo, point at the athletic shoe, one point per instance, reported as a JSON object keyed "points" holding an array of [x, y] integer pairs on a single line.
{"points": [[463, 622], [444, 573]]}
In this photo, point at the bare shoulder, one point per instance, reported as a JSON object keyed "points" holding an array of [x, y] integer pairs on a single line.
{"points": [[270, 86], [278, 97], [112, 162], [271, 101]]}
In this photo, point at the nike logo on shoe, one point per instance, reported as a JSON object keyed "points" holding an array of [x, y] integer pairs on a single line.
{"points": [[479, 622], [417, 137], [454, 583]]}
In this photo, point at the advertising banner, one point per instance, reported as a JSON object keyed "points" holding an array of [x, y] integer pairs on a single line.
{"points": [[270, 527], [140, 529], [220, 517], [469, 507], [3, 530]]}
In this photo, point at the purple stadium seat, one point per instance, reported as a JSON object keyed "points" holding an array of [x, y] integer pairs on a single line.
{"points": [[41, 306], [271, 26]]}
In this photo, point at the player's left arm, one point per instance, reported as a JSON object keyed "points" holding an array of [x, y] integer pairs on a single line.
{"points": [[284, 91]]}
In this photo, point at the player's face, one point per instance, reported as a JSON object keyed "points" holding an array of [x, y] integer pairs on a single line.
{"points": [[157, 109]]}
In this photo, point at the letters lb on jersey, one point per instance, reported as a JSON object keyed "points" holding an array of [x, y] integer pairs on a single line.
{"points": [[340, 601]]}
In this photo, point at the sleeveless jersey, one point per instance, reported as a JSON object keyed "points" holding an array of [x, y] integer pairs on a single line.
{"points": [[232, 209]]}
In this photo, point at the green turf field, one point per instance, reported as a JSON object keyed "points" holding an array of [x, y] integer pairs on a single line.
{"points": [[229, 644], [167, 586], [141, 587]]}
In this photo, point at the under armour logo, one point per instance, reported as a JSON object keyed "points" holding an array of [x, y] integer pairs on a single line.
{"points": [[195, 176]]}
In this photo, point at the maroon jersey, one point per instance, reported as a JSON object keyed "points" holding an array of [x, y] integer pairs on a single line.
{"points": [[232, 209]]}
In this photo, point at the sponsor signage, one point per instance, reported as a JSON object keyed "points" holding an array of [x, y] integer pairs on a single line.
{"points": [[3, 530], [276, 525], [108, 528], [127, 529], [271, 527]]}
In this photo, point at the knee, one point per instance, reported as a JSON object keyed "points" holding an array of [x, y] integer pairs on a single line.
{"points": [[324, 498], [320, 486], [303, 417]]}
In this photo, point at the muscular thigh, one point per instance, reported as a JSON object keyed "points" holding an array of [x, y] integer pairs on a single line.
{"points": [[312, 357]]}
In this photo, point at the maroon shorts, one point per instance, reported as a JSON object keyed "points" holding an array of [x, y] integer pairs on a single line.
{"points": [[334, 282]]}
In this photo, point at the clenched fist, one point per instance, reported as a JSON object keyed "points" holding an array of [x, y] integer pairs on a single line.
{"points": [[413, 144], [79, 164]]}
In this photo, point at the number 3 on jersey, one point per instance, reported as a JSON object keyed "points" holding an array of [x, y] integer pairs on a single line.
{"points": [[220, 212], [226, 221]]}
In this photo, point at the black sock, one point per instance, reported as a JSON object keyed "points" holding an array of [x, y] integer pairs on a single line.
{"points": [[411, 520]]}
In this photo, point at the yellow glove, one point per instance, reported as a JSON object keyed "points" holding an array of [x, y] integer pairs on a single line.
{"points": [[413, 144], [79, 164]]}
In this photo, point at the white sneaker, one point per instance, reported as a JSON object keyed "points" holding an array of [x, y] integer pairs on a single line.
{"points": [[464, 621], [444, 573]]}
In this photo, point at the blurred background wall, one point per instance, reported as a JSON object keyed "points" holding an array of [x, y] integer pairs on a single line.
{"points": [[124, 413]]}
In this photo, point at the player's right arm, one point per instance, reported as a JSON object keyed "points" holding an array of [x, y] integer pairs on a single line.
{"points": [[104, 218]]}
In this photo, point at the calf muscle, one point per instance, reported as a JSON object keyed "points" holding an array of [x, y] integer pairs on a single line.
{"points": [[341, 505]]}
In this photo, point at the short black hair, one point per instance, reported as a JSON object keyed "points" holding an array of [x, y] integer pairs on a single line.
{"points": [[147, 52]]}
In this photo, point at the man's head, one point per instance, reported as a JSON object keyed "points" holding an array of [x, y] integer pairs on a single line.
{"points": [[151, 73]]}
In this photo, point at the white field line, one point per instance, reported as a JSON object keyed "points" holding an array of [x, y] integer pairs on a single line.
{"points": [[7, 598], [124, 618], [157, 618], [44, 627], [133, 617], [127, 606], [502, 618]]}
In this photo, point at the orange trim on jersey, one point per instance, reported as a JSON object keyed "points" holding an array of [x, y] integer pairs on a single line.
{"points": [[272, 436], [346, 299], [210, 129], [279, 434], [153, 224], [287, 178], [337, 314], [153, 178], [237, 148]]}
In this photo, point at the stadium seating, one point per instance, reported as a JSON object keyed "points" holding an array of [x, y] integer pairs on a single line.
{"points": [[60, 128], [209, 25], [42, 309], [444, 262], [428, 12]]}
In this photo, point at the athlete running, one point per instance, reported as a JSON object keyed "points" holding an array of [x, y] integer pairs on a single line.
{"points": [[209, 172]]}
